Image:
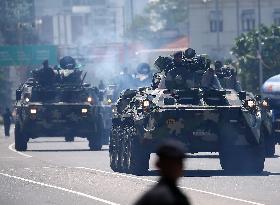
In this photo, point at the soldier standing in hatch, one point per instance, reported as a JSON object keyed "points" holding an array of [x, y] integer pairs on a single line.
{"points": [[143, 76], [175, 78], [46, 75], [125, 80], [7, 118], [210, 79], [170, 163], [232, 82]]}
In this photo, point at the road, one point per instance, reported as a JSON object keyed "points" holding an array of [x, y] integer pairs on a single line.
{"points": [[56, 172]]}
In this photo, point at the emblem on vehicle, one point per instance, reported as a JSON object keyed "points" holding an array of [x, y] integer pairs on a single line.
{"points": [[175, 126]]}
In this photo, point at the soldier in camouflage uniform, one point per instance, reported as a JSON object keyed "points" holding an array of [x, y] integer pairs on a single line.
{"points": [[210, 80]]}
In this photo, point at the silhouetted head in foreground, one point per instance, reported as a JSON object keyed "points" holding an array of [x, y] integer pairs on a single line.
{"points": [[171, 155], [170, 163]]}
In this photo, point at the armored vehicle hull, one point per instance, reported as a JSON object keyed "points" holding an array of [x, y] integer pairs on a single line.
{"points": [[58, 110], [206, 121]]}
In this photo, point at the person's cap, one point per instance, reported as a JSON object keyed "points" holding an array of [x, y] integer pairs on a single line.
{"points": [[143, 68], [171, 149]]}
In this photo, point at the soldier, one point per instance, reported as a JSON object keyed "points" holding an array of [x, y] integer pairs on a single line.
{"points": [[232, 82], [125, 80], [179, 77], [46, 75], [144, 75], [70, 72], [218, 69], [164, 65], [101, 85], [170, 163], [210, 79], [7, 118]]}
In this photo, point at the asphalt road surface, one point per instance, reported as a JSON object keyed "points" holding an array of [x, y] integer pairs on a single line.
{"points": [[56, 172]]}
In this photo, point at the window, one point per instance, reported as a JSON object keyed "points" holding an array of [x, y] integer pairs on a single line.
{"points": [[248, 19], [216, 21], [276, 17]]}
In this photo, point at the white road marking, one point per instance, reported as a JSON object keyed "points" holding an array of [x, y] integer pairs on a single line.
{"points": [[60, 188], [12, 149], [187, 188]]}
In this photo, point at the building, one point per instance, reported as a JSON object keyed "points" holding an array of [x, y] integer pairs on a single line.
{"points": [[214, 24], [79, 22]]}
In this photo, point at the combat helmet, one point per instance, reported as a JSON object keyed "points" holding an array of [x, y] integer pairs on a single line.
{"points": [[143, 68], [67, 62]]}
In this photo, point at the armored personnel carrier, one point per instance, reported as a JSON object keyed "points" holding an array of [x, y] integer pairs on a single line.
{"points": [[204, 119], [65, 107]]}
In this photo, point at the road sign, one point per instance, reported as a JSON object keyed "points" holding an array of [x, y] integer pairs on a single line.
{"points": [[27, 55]]}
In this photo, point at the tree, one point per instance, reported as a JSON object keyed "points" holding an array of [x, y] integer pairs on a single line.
{"points": [[246, 52], [158, 16], [167, 13]]}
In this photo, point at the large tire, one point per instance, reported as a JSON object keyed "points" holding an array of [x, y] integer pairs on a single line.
{"points": [[113, 150], [235, 159], [69, 138], [269, 143], [96, 141], [20, 139], [135, 158]]}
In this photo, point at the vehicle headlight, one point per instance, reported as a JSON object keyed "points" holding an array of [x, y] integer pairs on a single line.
{"points": [[109, 101], [27, 99], [251, 103], [33, 111], [146, 103], [89, 99], [84, 110], [264, 103]]}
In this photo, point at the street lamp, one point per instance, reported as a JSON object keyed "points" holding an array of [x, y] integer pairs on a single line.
{"points": [[259, 46]]}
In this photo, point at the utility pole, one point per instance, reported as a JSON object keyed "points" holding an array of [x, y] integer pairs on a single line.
{"points": [[188, 23], [218, 26], [260, 46], [237, 18]]}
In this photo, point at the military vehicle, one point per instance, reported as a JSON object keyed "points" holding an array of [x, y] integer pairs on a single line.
{"points": [[206, 120], [271, 91], [266, 128], [66, 107]]}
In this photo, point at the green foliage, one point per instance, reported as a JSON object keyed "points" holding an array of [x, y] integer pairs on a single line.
{"points": [[246, 51], [167, 13], [158, 16]]}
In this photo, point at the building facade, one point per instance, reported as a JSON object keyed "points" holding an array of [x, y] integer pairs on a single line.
{"points": [[78, 22], [214, 24]]}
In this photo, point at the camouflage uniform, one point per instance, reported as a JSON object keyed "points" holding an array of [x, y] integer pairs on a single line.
{"points": [[210, 80]]}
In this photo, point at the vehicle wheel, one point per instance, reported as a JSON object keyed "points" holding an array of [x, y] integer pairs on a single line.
{"points": [[269, 144], [96, 142], [137, 158], [247, 159], [20, 139], [69, 138], [106, 136], [114, 153]]}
